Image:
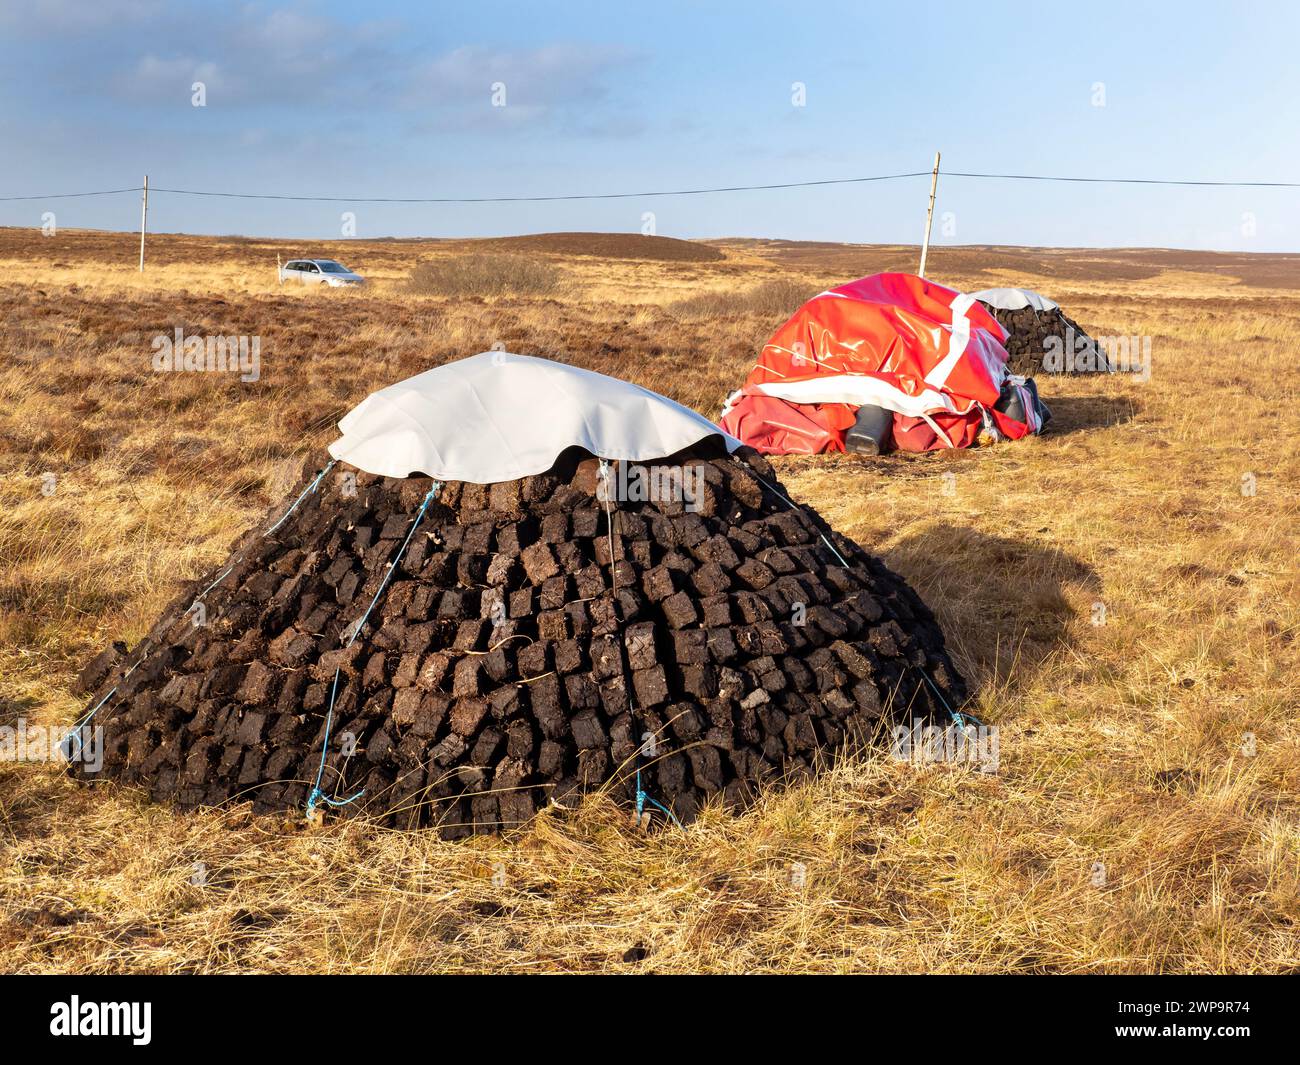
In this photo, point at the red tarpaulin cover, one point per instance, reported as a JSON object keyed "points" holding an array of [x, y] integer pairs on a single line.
{"points": [[926, 352]]}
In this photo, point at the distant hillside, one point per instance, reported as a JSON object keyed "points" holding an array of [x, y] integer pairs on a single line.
{"points": [[610, 246]]}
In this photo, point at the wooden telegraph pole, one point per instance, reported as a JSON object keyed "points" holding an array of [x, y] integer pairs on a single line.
{"points": [[144, 218], [929, 214]]}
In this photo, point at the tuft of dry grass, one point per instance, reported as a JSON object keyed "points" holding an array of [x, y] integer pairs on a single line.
{"points": [[486, 275], [1121, 592], [773, 300]]}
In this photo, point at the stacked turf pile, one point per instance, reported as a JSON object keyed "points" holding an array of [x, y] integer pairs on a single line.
{"points": [[511, 659], [1041, 337]]}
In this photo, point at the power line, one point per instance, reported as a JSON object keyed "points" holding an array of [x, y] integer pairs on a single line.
{"points": [[665, 192], [546, 199], [71, 195], [1129, 181]]}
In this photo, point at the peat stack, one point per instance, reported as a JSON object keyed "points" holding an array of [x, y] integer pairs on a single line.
{"points": [[1047, 340], [523, 649]]}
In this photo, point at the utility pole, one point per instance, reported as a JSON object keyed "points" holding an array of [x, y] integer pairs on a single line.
{"points": [[144, 217], [929, 214]]}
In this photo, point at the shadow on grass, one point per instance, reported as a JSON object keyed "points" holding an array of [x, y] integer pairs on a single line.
{"points": [[13, 709], [1002, 603], [1070, 414]]}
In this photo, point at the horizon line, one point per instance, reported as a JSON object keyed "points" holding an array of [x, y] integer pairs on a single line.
{"points": [[390, 239]]}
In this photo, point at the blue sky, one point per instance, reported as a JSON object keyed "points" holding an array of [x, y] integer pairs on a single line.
{"points": [[395, 99]]}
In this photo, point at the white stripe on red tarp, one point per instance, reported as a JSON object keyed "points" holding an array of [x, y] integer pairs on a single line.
{"points": [[857, 390], [958, 338]]}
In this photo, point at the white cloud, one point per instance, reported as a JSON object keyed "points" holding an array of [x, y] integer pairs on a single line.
{"points": [[152, 76], [70, 16], [537, 77], [289, 58]]}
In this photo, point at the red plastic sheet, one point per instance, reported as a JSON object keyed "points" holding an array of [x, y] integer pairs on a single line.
{"points": [[923, 350]]}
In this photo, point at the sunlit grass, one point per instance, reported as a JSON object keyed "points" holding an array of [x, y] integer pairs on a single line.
{"points": [[1144, 815]]}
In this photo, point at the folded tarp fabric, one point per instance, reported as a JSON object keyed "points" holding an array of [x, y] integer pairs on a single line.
{"points": [[1015, 299], [498, 416]]}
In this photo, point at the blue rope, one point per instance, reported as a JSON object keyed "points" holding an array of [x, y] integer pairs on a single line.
{"points": [[316, 796], [283, 518], [305, 493], [794, 506], [957, 717], [224, 573], [642, 798], [76, 729], [392, 566]]}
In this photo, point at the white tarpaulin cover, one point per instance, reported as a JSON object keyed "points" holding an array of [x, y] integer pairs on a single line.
{"points": [[498, 417], [1015, 299]]}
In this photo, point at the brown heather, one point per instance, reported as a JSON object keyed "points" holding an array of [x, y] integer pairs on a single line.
{"points": [[485, 274], [1122, 744]]}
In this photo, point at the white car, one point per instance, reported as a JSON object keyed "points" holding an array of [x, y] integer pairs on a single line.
{"points": [[319, 272]]}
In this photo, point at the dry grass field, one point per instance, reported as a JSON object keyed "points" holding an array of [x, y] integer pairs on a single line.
{"points": [[1146, 813]]}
